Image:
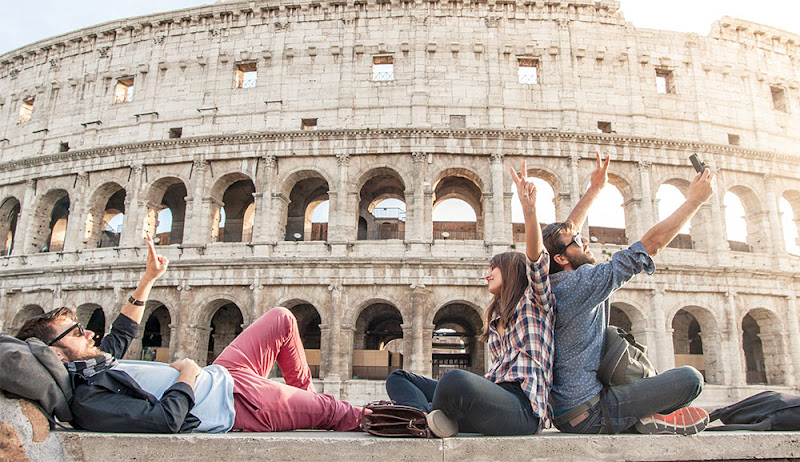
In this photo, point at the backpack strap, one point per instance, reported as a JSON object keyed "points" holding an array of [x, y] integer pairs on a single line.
{"points": [[763, 426]]}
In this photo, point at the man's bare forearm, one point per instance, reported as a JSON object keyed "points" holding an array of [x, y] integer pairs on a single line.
{"points": [[578, 214]]}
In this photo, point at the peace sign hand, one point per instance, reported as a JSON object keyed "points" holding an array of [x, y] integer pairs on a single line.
{"points": [[526, 190]]}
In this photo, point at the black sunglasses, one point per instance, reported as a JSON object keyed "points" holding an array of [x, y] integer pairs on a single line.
{"points": [[81, 333], [576, 239]]}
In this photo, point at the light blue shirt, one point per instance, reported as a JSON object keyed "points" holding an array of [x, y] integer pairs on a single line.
{"points": [[582, 310], [213, 391]]}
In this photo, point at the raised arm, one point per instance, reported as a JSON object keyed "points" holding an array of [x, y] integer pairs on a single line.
{"points": [[663, 232], [156, 266], [596, 184], [526, 191]]}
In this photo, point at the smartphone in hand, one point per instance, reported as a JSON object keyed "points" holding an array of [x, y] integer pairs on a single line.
{"points": [[698, 164]]}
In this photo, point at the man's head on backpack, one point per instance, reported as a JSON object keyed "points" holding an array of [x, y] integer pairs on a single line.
{"points": [[62, 332]]}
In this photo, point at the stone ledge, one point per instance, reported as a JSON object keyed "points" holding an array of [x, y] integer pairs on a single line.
{"points": [[331, 446]]}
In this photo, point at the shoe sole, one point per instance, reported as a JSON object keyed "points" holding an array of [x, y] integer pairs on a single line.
{"points": [[441, 425], [655, 426]]}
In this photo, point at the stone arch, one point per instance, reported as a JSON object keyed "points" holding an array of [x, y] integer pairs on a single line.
{"points": [[49, 222], [230, 198], [225, 323], [27, 312], [156, 332], [763, 346], [377, 324], [456, 343], [9, 215], [547, 212], [753, 217], [105, 203], [377, 185], [309, 319], [463, 184], [93, 317], [629, 317], [696, 342], [305, 189], [614, 231], [663, 208], [790, 224], [166, 196]]}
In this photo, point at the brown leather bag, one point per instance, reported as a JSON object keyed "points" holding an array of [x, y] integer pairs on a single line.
{"points": [[394, 420]]}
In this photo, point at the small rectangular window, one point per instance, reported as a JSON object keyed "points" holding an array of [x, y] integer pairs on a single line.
{"points": [[779, 99], [664, 81], [63, 146], [176, 132], [603, 127], [246, 75], [382, 68], [733, 140], [528, 72], [26, 110], [308, 124], [123, 92], [458, 121]]}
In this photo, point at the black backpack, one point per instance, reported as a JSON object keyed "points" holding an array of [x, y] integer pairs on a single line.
{"points": [[624, 359], [766, 411]]}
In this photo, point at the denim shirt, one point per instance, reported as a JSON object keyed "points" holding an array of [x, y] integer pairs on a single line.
{"points": [[583, 308]]}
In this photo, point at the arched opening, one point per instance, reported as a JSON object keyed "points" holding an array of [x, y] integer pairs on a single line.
{"points": [[9, 214], [764, 351], [156, 335], [382, 207], [735, 223], [545, 207], [104, 219], [58, 226], [226, 324], [606, 217], [455, 340], [319, 220], [789, 205], [620, 319], [23, 315], [229, 220], [49, 222], [93, 317], [308, 321], [166, 211], [305, 197], [669, 198], [687, 344], [457, 208], [375, 356]]}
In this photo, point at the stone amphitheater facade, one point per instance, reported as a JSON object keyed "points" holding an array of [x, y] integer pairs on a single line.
{"points": [[250, 114]]}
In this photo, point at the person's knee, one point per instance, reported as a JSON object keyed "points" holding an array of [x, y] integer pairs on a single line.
{"points": [[454, 381], [397, 376], [691, 378]]}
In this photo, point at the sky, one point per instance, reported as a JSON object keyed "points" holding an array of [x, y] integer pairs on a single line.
{"points": [[25, 22]]}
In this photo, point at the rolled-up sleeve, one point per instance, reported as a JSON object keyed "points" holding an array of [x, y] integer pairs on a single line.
{"points": [[539, 282]]}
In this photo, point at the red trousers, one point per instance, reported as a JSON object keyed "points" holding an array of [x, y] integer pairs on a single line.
{"points": [[263, 405]]}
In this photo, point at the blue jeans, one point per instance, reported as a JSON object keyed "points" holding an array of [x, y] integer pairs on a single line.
{"points": [[478, 405], [662, 394]]}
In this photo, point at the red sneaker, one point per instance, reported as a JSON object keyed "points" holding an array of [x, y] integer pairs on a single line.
{"points": [[684, 421]]}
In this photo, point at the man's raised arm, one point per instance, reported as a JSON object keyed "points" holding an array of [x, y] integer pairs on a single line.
{"points": [[663, 232], [156, 266], [596, 184]]}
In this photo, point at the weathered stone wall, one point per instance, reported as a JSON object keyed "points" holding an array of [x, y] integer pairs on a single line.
{"points": [[402, 138]]}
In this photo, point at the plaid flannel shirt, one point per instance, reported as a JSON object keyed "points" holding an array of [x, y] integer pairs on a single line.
{"points": [[525, 351]]}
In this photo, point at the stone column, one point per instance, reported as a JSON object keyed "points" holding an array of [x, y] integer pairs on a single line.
{"points": [[793, 330], [25, 233], [340, 222], [331, 354], [135, 210], [497, 229], [264, 229], [567, 100], [734, 366], [415, 211], [772, 229], [664, 357], [77, 214], [418, 362], [174, 332], [647, 216], [197, 224]]}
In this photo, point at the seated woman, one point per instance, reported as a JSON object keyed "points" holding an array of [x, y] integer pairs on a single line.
{"points": [[512, 398]]}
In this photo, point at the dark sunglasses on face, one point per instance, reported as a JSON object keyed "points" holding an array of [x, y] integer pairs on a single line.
{"points": [[80, 333], [576, 239]]}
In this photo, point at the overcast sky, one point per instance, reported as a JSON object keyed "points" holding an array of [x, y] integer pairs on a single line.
{"points": [[24, 22]]}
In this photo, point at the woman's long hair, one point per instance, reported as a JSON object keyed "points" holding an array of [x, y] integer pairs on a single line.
{"points": [[512, 266]]}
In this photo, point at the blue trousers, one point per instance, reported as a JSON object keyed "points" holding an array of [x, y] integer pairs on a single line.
{"points": [[478, 405], [662, 394]]}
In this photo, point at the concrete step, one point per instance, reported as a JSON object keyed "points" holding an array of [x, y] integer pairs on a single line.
{"points": [[304, 446]]}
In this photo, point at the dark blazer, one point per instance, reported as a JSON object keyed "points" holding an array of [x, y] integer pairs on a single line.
{"points": [[112, 401]]}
